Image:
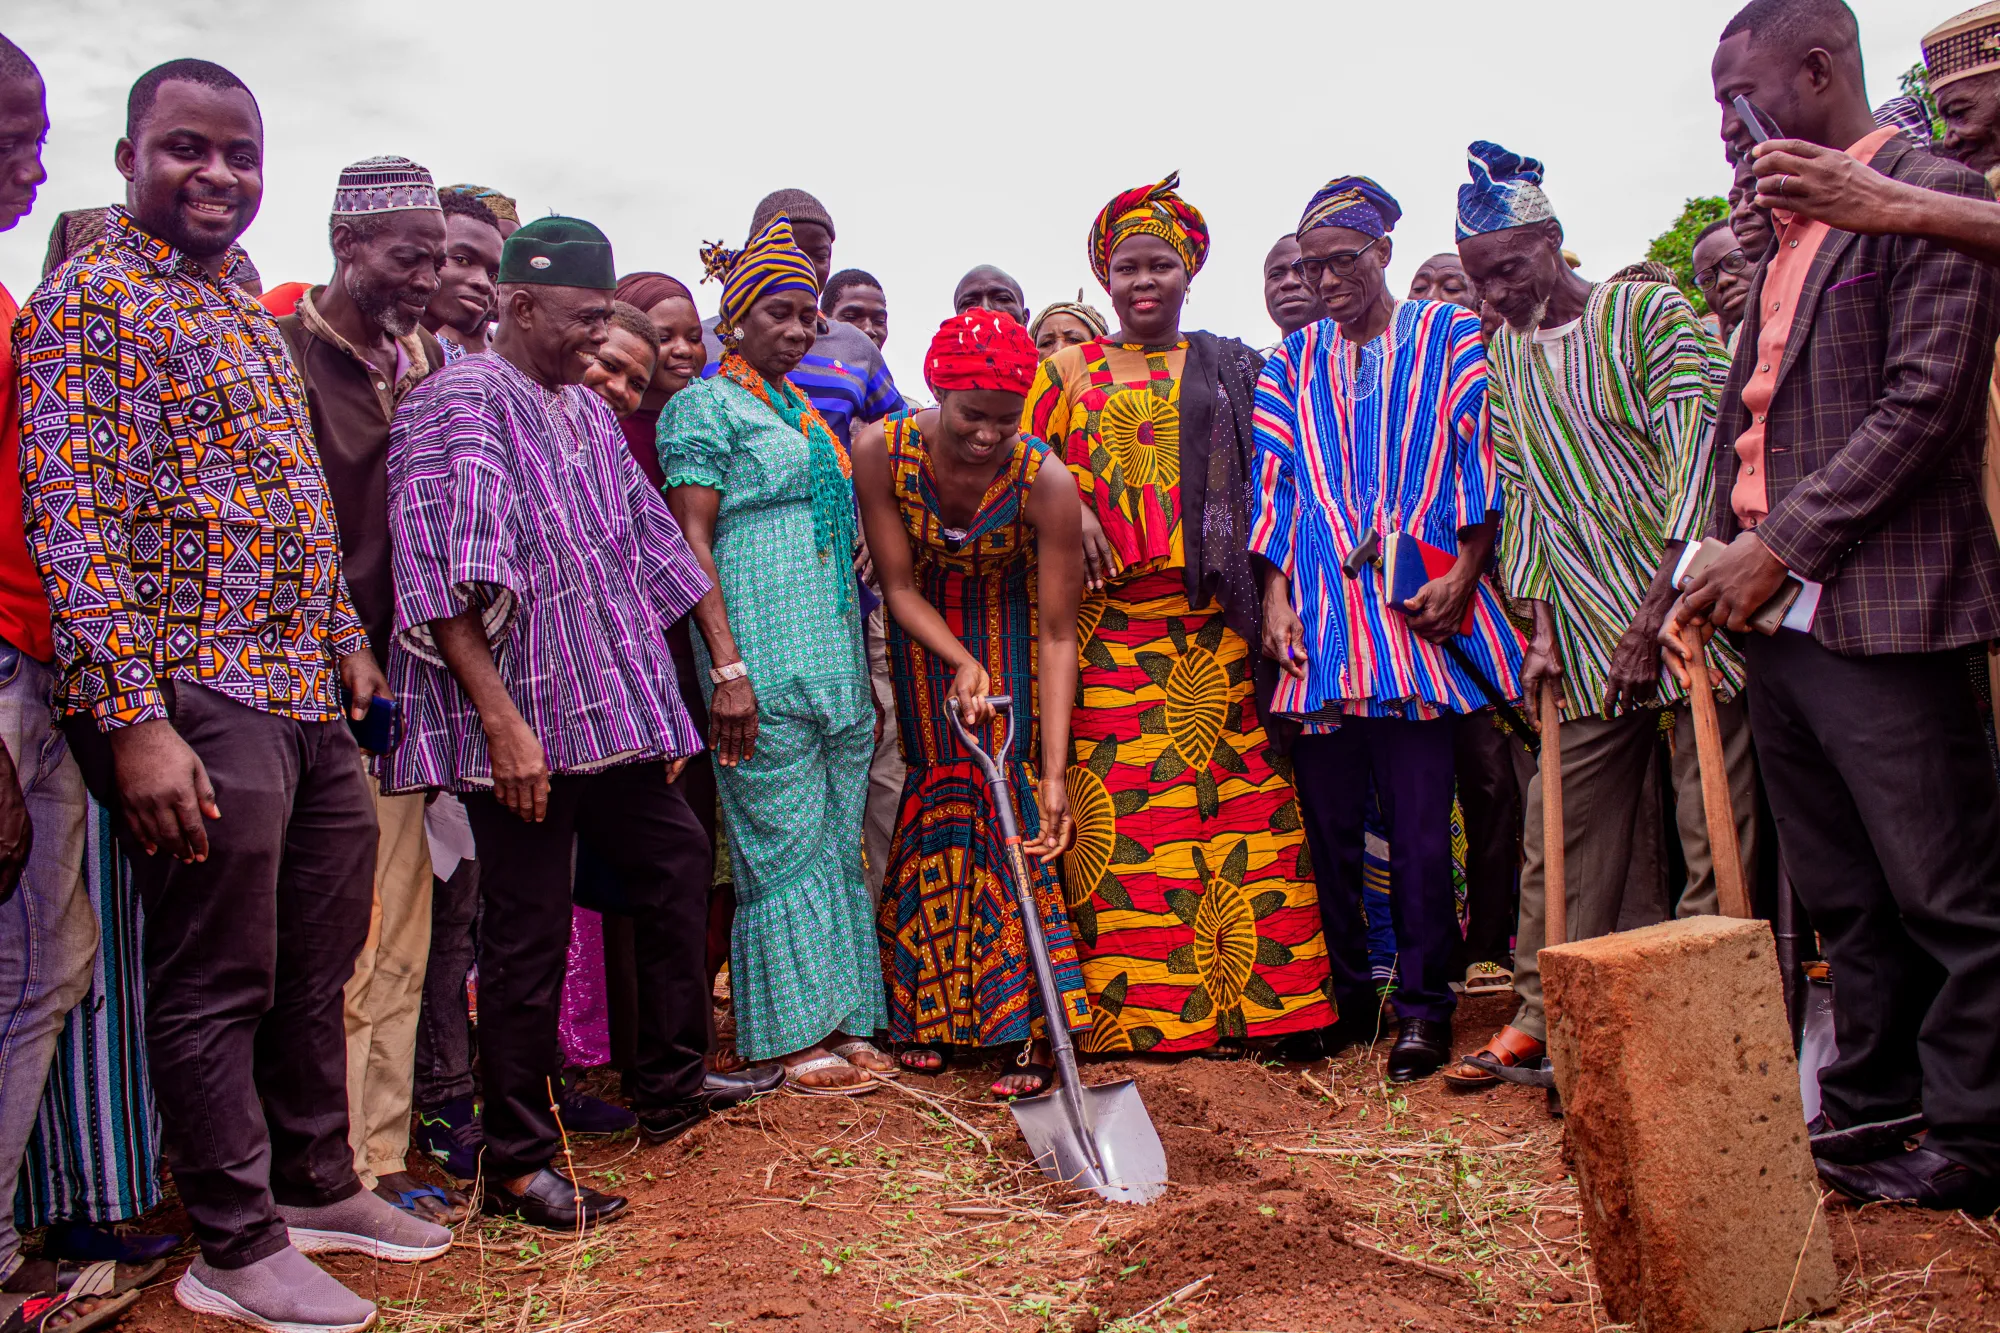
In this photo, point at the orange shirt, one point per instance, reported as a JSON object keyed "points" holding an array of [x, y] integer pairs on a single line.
{"points": [[1784, 279], [24, 607]]}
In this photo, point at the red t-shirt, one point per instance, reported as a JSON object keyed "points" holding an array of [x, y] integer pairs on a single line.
{"points": [[24, 607]]}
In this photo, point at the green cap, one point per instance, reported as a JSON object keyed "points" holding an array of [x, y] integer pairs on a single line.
{"points": [[559, 252]]}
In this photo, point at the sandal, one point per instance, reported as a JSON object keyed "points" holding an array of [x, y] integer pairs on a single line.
{"points": [[1511, 1050], [918, 1058], [726, 1059], [855, 1047], [95, 1298], [1024, 1067], [1488, 979], [795, 1078], [449, 1211]]}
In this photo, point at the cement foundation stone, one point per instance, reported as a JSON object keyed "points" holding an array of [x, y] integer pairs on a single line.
{"points": [[1676, 1070]]}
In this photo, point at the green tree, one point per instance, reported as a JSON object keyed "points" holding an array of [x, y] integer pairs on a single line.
{"points": [[1916, 83], [1674, 247]]}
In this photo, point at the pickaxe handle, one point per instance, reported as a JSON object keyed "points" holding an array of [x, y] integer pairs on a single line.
{"points": [[1555, 894], [1732, 895]]}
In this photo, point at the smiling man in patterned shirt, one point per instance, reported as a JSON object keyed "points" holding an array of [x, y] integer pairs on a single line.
{"points": [[180, 519]]}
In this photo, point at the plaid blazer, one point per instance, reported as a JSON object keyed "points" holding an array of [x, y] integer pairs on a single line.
{"points": [[1873, 450]]}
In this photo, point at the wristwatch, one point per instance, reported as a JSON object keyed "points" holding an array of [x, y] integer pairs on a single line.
{"points": [[736, 670]]}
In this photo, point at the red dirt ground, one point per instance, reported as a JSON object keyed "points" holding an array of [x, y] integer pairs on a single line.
{"points": [[877, 1213]]}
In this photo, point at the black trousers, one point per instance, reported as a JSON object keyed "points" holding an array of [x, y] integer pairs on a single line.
{"points": [[1411, 764], [1888, 819], [1492, 770], [444, 1028], [246, 956], [632, 822]]}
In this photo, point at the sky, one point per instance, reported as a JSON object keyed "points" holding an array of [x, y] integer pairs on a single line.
{"points": [[940, 136]]}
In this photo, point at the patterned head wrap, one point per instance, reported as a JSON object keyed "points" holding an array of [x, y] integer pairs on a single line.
{"points": [[1963, 46], [502, 206], [1149, 210], [772, 262], [1354, 202], [383, 185], [1084, 314], [981, 349], [1506, 191]]}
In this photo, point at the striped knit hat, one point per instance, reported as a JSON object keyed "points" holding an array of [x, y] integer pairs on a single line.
{"points": [[772, 262]]}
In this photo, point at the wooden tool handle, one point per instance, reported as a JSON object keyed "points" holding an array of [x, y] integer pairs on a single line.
{"points": [[1732, 895], [1555, 895]]}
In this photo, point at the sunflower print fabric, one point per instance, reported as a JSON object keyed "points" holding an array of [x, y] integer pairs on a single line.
{"points": [[1189, 888]]}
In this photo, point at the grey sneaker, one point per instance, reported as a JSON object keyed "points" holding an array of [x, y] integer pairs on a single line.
{"points": [[365, 1223], [285, 1293]]}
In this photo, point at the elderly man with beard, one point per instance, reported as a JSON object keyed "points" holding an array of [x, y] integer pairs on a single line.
{"points": [[1603, 401], [185, 533], [1849, 439], [360, 348]]}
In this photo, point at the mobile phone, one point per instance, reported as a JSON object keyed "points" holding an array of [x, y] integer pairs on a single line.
{"points": [[382, 730], [1760, 125], [1767, 619]]}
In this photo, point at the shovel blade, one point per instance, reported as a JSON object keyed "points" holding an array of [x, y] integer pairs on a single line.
{"points": [[1134, 1161]]}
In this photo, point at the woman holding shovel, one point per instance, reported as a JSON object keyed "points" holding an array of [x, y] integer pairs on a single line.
{"points": [[975, 530]]}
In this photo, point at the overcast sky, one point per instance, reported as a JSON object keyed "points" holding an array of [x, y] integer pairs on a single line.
{"points": [[939, 135]]}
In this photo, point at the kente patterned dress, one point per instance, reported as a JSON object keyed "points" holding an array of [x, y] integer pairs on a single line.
{"points": [[1189, 887], [953, 952], [803, 956]]}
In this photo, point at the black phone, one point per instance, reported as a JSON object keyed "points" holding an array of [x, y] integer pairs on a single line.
{"points": [[1759, 123], [382, 730]]}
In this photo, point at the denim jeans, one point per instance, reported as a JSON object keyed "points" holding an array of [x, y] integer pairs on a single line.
{"points": [[444, 1031], [48, 932]]}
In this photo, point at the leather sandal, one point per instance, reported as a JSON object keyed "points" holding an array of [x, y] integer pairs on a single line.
{"points": [[1510, 1049], [1488, 979]]}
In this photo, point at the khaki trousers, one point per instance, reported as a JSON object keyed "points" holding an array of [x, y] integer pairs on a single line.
{"points": [[886, 769], [385, 996], [1613, 872]]}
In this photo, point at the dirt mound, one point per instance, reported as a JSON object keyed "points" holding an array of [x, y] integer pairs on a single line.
{"points": [[1277, 1243], [1202, 1147]]}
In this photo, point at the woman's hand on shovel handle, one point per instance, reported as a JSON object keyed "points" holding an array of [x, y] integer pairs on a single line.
{"points": [[969, 689], [1058, 829]]}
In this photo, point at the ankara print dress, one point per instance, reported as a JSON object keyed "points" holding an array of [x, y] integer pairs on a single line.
{"points": [[953, 952], [1189, 887]]}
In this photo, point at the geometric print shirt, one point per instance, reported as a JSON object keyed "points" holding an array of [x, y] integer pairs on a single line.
{"points": [[1604, 438], [175, 502]]}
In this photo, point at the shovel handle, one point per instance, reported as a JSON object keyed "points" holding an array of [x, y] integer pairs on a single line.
{"points": [[1555, 894], [1732, 896]]}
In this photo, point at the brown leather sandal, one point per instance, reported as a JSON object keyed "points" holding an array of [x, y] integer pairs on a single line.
{"points": [[1510, 1048]]}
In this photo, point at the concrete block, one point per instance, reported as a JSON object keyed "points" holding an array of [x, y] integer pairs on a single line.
{"points": [[1676, 1070]]}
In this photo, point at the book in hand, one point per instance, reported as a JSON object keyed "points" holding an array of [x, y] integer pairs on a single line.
{"points": [[1408, 563]]}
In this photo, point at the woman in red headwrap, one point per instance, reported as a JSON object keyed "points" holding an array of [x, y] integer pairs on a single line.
{"points": [[1189, 885], [975, 533]]}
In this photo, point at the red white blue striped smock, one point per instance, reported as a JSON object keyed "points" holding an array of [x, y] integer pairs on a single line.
{"points": [[1392, 435]]}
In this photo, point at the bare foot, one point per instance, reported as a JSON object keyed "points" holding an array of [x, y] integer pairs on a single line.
{"points": [[832, 1076], [1022, 1081], [445, 1212]]}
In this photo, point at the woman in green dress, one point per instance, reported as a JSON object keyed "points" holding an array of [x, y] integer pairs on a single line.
{"points": [[761, 487]]}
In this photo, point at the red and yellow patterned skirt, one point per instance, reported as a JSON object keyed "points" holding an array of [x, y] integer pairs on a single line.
{"points": [[1189, 887]]}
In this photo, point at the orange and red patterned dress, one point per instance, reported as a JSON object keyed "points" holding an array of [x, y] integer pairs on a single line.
{"points": [[1189, 887], [954, 956]]}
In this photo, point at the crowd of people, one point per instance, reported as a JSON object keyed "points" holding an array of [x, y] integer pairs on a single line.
{"points": [[511, 570]]}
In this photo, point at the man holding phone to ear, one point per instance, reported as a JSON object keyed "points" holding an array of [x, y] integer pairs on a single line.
{"points": [[1848, 453]]}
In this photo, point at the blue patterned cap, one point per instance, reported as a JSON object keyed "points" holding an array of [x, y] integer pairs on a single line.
{"points": [[1506, 191], [1354, 202]]}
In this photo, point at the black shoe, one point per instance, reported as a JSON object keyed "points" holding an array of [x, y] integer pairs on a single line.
{"points": [[584, 1114], [664, 1124], [722, 1091], [1862, 1143], [1421, 1049], [1920, 1176], [554, 1201]]}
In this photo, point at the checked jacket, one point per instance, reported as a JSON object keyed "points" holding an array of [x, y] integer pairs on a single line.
{"points": [[1876, 433], [174, 500]]}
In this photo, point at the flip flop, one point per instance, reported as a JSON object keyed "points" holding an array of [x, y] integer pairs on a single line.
{"points": [[407, 1201], [794, 1074], [854, 1046], [1488, 979]]}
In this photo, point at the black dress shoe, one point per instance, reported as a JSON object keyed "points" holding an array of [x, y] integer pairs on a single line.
{"points": [[1861, 1143], [1421, 1049], [664, 1124], [554, 1201], [722, 1091], [1920, 1176]]}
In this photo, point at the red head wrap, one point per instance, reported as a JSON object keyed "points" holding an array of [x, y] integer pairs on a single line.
{"points": [[981, 349]]}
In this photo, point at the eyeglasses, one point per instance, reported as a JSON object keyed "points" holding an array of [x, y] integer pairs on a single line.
{"points": [[1310, 271], [1733, 262]]}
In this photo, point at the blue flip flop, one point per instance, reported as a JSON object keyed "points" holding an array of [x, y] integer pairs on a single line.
{"points": [[407, 1199]]}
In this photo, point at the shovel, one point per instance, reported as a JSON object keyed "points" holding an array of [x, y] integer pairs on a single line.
{"points": [[1090, 1138]]}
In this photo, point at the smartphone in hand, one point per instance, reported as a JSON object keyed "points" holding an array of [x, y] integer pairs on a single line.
{"points": [[1762, 128], [382, 730]]}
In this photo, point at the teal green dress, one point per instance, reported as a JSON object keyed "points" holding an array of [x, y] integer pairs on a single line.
{"points": [[803, 958]]}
